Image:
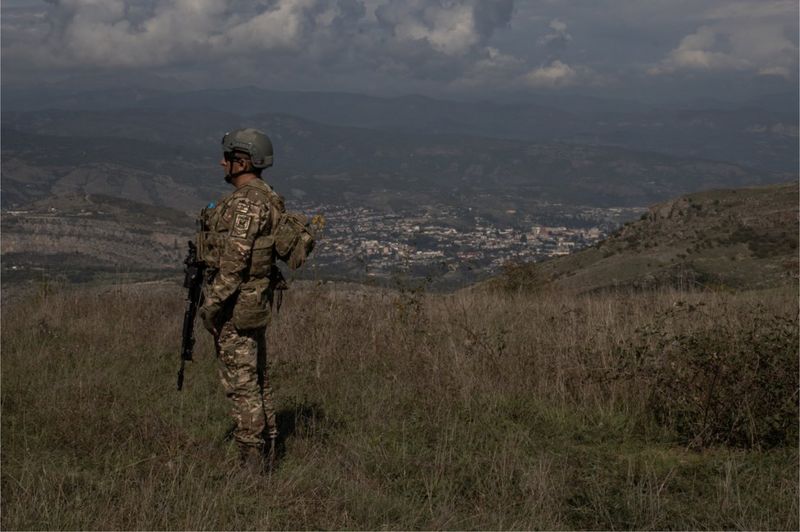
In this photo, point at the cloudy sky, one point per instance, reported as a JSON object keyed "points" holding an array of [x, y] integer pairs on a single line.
{"points": [[437, 47]]}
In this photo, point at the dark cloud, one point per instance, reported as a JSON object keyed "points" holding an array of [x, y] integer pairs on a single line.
{"points": [[489, 16], [438, 45]]}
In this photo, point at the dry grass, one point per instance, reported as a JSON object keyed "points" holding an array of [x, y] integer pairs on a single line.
{"points": [[400, 410]]}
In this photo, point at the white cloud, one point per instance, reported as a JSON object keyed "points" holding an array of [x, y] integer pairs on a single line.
{"points": [[775, 71], [115, 34], [558, 26], [284, 26], [415, 37], [696, 51], [556, 39], [448, 31], [743, 36], [107, 34], [556, 74], [492, 67], [449, 27]]}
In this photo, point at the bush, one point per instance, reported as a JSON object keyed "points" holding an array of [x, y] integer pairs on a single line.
{"points": [[763, 243], [728, 383], [519, 276]]}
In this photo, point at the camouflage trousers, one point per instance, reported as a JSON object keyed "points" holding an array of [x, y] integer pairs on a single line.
{"points": [[243, 371]]}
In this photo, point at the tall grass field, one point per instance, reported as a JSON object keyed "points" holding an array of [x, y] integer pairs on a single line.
{"points": [[401, 409]]}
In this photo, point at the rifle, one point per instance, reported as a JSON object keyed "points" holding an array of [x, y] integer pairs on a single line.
{"points": [[277, 286], [193, 281]]}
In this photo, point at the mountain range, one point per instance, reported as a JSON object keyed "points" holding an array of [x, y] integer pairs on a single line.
{"points": [[758, 133], [171, 158]]}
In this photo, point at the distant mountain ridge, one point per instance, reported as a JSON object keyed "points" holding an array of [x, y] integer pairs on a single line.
{"points": [[718, 239], [173, 156], [760, 133]]}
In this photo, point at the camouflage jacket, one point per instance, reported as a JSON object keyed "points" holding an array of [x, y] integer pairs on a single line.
{"points": [[236, 243]]}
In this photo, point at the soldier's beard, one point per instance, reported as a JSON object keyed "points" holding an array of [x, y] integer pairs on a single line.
{"points": [[230, 177]]}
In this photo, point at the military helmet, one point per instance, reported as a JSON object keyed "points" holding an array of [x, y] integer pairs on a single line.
{"points": [[252, 142]]}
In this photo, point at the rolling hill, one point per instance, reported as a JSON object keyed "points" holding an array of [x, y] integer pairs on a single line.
{"points": [[720, 239]]}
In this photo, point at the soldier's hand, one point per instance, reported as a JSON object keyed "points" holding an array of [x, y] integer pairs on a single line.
{"points": [[209, 314]]}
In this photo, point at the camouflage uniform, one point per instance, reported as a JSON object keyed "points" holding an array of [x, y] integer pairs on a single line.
{"points": [[237, 245], [243, 357]]}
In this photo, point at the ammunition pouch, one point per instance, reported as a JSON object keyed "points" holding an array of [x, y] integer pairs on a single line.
{"points": [[252, 307], [293, 240], [209, 244], [261, 258]]}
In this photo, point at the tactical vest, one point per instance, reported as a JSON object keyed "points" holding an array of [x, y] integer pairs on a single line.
{"points": [[215, 223]]}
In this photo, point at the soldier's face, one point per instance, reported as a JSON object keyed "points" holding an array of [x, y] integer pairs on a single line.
{"points": [[231, 165], [226, 165]]}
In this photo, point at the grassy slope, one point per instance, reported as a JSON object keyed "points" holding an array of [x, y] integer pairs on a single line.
{"points": [[400, 410], [736, 238]]}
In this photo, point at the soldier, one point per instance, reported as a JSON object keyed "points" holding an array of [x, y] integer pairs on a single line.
{"points": [[237, 244]]}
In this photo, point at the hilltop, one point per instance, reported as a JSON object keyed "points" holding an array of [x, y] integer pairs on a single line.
{"points": [[733, 238]]}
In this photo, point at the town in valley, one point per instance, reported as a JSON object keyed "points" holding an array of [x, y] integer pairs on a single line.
{"points": [[446, 242]]}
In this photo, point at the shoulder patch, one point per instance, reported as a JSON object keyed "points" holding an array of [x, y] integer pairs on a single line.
{"points": [[241, 224], [242, 207]]}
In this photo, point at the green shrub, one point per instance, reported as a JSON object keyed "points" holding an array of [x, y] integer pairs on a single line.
{"points": [[729, 383], [519, 276], [764, 243]]}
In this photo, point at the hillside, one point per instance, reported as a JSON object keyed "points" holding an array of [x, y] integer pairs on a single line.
{"points": [[85, 237], [734, 238]]}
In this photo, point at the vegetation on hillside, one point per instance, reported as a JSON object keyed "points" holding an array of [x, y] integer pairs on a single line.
{"points": [[717, 239], [405, 410], [90, 237]]}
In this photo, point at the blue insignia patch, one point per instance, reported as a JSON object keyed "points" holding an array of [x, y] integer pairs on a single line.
{"points": [[211, 205]]}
